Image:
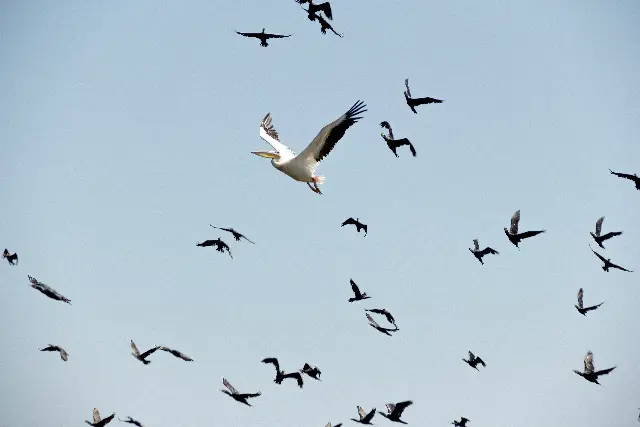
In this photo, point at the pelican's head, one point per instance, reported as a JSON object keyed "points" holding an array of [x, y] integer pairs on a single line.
{"points": [[273, 155]]}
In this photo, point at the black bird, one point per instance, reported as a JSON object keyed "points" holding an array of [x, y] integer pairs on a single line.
{"points": [[383, 312], [143, 357], [462, 423], [480, 253], [364, 417], [393, 143], [280, 376], [589, 373], [581, 307], [607, 263], [236, 235], [635, 178], [312, 371], [218, 243], [238, 397], [394, 411], [356, 291], [13, 259], [63, 354], [414, 102], [99, 422], [263, 37], [324, 25], [512, 233], [47, 290], [315, 8], [474, 361], [375, 325], [357, 223], [601, 238], [337, 425], [176, 353], [131, 421]]}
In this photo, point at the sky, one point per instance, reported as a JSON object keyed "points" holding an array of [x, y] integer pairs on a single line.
{"points": [[126, 128]]}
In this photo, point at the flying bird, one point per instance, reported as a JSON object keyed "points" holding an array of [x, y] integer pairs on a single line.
{"points": [[462, 423], [63, 354], [607, 263], [337, 425], [590, 374], [316, 8], [176, 353], [364, 417], [635, 178], [312, 371], [480, 253], [280, 376], [302, 167], [580, 307], [48, 291], [99, 422], [393, 143], [357, 223], [414, 102], [601, 238], [12, 258], [143, 357], [131, 421], [238, 397], [512, 233], [474, 361], [263, 36], [358, 296], [218, 243], [383, 312], [394, 411], [236, 235], [324, 25], [375, 325]]}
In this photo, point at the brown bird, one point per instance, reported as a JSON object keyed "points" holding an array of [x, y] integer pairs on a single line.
{"points": [[607, 263], [601, 238], [316, 8], [357, 223], [375, 325], [580, 307], [358, 296], [236, 235], [131, 421], [143, 357], [280, 376], [512, 233], [13, 259], [635, 178], [364, 417], [47, 290], [414, 102], [99, 422], [63, 354], [394, 411], [218, 243], [393, 143], [474, 361], [589, 373], [480, 253], [238, 397], [176, 353], [263, 37]]}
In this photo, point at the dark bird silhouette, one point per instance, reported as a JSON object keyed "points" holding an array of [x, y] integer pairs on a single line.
{"points": [[324, 25], [238, 397], [218, 243], [356, 291], [394, 411], [176, 353], [414, 102], [236, 235], [280, 376], [590, 374], [357, 223], [263, 36], [13, 259], [99, 422], [364, 417], [601, 238], [480, 253], [607, 263], [462, 423], [316, 8], [48, 291], [474, 361], [131, 421], [63, 354], [638, 417], [635, 178], [383, 312], [337, 425], [581, 308], [375, 325], [312, 371], [393, 143], [143, 357], [512, 233]]}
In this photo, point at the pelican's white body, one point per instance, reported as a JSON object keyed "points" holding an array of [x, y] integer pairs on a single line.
{"points": [[294, 168]]}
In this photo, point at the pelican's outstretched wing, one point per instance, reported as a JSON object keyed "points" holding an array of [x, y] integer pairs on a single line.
{"points": [[515, 219], [270, 135]]}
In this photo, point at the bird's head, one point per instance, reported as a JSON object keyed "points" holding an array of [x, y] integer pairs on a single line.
{"points": [[273, 155], [506, 230], [263, 31]]}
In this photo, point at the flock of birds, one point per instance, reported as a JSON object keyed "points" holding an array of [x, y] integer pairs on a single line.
{"points": [[301, 167]]}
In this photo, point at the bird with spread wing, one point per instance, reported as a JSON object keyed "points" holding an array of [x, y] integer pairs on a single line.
{"points": [[47, 290], [414, 102], [263, 36], [130, 420], [364, 417], [236, 235], [100, 422], [11, 258], [598, 237], [358, 296], [218, 243], [635, 178], [63, 354], [315, 9], [384, 313], [481, 253], [238, 397], [462, 423], [312, 371], [176, 353], [374, 325], [512, 233], [607, 263], [589, 373], [359, 226], [581, 308], [280, 375], [143, 357], [474, 361], [395, 410], [393, 143]]}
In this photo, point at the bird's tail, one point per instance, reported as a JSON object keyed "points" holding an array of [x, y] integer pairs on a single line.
{"points": [[319, 179]]}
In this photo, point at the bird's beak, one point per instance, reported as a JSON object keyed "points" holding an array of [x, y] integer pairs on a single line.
{"points": [[267, 154]]}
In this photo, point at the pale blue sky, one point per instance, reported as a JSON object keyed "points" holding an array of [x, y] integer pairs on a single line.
{"points": [[126, 128]]}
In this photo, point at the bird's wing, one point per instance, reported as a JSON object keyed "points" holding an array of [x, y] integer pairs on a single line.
{"points": [[276, 36], [326, 8], [329, 135], [480, 361], [610, 235], [134, 348], [476, 245], [528, 234], [408, 91], [270, 135], [373, 322], [249, 34], [150, 351], [400, 407], [96, 416], [348, 221], [471, 357], [489, 250], [369, 416], [63, 354], [623, 175], [274, 361], [245, 238], [248, 395], [620, 268], [604, 371], [181, 355], [593, 307], [599, 225], [603, 259], [301, 1], [580, 295], [228, 385], [297, 377], [355, 288], [426, 100], [361, 412], [515, 219]]}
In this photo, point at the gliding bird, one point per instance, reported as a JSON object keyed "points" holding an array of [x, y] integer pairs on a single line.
{"points": [[393, 143], [47, 290], [635, 178], [601, 238], [607, 263], [238, 397], [357, 223], [358, 296], [131, 421], [394, 411], [218, 243], [414, 102], [302, 167], [480, 253], [589, 373], [280, 376], [512, 233], [236, 235], [474, 361], [99, 422], [12, 258], [580, 307], [364, 417], [263, 36], [63, 354]]}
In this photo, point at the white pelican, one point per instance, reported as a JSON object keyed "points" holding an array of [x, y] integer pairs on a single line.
{"points": [[302, 167]]}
